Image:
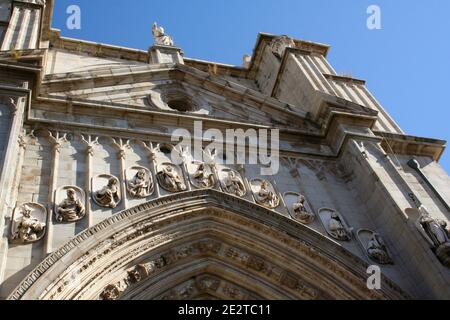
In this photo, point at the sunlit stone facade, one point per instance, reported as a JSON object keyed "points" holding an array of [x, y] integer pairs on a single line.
{"points": [[93, 207]]}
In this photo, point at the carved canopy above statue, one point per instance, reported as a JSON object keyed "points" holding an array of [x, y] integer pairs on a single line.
{"points": [[201, 244]]}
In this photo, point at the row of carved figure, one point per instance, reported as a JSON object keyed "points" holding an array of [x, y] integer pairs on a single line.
{"points": [[70, 207], [29, 225]]}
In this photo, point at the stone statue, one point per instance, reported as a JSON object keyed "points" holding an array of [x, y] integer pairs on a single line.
{"points": [[337, 228], [203, 177], [376, 249], [301, 213], [140, 185], [266, 197], [160, 37], [109, 195], [71, 208], [435, 229], [29, 229], [234, 185], [170, 179]]}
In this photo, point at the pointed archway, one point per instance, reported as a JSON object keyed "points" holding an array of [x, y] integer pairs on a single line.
{"points": [[201, 244]]}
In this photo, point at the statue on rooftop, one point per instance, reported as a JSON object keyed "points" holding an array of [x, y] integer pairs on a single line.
{"points": [[161, 38]]}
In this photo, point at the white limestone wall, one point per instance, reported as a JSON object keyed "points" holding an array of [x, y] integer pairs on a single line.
{"points": [[268, 71], [355, 187], [381, 188], [5, 127], [34, 181]]}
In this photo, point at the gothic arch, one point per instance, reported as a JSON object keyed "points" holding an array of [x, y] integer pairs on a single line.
{"points": [[201, 244]]}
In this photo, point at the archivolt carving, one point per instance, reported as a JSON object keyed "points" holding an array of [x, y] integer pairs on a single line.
{"points": [[158, 224]]}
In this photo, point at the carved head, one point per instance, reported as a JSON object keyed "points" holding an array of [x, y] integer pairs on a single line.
{"points": [[301, 199], [26, 211], [71, 194], [265, 185], [112, 182], [141, 174]]}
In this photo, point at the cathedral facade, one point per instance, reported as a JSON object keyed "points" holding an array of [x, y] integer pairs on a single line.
{"points": [[99, 200]]}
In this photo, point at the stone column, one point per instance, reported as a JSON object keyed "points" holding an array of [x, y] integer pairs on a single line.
{"points": [[57, 139], [148, 146], [90, 142], [121, 145]]}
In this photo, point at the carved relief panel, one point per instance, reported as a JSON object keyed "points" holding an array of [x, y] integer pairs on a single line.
{"points": [[232, 182], [139, 182], [106, 191], [28, 223], [170, 177], [299, 207], [70, 204], [335, 224], [265, 193], [374, 247], [201, 175]]}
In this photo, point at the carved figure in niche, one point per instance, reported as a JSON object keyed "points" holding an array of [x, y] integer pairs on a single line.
{"points": [[29, 229], [160, 36], [234, 185], [266, 196], [337, 228], [376, 249], [301, 213], [109, 196], [170, 179], [140, 185], [204, 177], [71, 208]]}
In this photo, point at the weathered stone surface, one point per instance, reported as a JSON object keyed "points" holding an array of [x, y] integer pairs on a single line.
{"points": [[106, 112]]}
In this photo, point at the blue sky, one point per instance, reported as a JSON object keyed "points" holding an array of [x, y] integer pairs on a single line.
{"points": [[406, 64]]}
